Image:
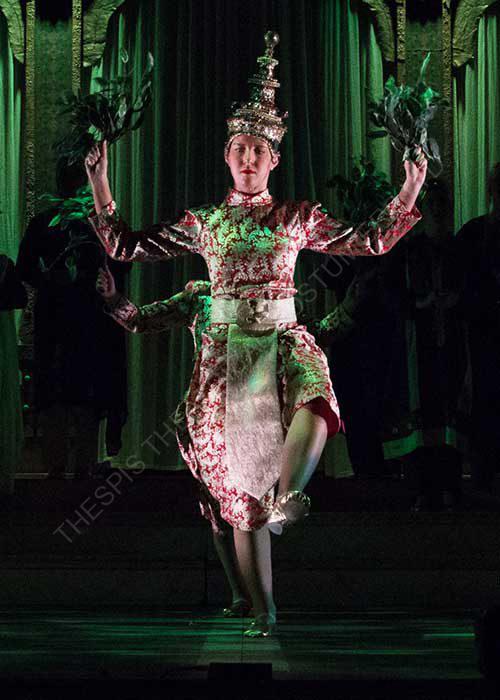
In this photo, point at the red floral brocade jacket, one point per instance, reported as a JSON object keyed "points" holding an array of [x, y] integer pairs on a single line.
{"points": [[250, 243]]}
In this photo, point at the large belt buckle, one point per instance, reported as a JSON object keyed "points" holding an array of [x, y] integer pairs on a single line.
{"points": [[251, 312]]}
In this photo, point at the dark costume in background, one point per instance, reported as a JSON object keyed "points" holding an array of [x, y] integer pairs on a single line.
{"points": [[12, 296], [12, 292], [80, 355], [441, 362], [367, 340], [479, 250]]}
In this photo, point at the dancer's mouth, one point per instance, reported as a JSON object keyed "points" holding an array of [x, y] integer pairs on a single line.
{"points": [[247, 171]]}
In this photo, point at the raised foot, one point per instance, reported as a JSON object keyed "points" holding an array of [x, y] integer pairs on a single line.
{"points": [[289, 508]]}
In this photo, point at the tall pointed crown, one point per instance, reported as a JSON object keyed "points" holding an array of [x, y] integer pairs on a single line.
{"points": [[259, 116]]}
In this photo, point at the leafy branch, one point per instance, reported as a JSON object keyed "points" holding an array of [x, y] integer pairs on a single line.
{"points": [[404, 114], [107, 114]]}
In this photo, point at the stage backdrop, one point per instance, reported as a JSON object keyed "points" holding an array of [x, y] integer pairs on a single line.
{"points": [[11, 104], [477, 120], [330, 67], [11, 213]]}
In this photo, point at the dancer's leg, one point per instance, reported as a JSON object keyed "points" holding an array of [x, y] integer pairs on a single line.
{"points": [[224, 547], [253, 551], [304, 444]]}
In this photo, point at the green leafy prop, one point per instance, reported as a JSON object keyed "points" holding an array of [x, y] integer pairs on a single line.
{"points": [[107, 114], [404, 114], [365, 194], [70, 210]]}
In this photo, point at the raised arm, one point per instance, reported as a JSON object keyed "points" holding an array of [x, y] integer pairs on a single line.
{"points": [[325, 234], [155, 243]]}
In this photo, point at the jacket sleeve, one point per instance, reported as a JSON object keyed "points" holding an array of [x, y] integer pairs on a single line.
{"points": [[152, 318], [158, 242], [325, 234]]}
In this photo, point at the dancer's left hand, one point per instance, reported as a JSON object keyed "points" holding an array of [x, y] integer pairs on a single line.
{"points": [[415, 178], [415, 173]]}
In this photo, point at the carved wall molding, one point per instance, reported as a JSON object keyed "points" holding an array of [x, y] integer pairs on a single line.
{"points": [[447, 82], [384, 28], [13, 13], [467, 16], [29, 162], [76, 45], [26, 331], [400, 40], [95, 26]]}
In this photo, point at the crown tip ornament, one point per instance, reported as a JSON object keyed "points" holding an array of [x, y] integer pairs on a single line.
{"points": [[259, 116], [271, 40]]}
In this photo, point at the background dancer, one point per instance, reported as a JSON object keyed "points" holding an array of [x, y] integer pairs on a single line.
{"points": [[191, 308]]}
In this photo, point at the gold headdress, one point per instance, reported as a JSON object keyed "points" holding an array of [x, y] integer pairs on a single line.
{"points": [[259, 116]]}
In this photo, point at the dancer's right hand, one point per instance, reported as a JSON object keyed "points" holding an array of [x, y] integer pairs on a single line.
{"points": [[105, 284], [96, 164]]}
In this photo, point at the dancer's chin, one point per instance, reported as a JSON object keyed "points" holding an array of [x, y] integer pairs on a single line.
{"points": [[249, 185]]}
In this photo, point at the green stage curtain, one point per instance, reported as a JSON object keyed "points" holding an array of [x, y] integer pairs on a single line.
{"points": [[205, 50], [11, 80], [11, 199], [477, 120]]}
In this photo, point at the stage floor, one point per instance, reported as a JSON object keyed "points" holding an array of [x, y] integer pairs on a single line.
{"points": [[50, 644]]}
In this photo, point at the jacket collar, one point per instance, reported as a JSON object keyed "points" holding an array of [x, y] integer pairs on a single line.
{"points": [[235, 198]]}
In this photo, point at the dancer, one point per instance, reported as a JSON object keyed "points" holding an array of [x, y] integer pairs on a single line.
{"points": [[260, 405], [191, 308], [79, 378]]}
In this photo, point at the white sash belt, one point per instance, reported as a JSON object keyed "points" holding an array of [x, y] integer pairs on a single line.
{"points": [[250, 314], [253, 431]]}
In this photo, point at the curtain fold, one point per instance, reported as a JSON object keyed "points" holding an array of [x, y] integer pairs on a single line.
{"points": [[477, 120], [11, 193], [205, 50], [11, 217]]}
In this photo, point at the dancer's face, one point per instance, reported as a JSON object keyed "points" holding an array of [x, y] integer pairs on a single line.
{"points": [[250, 161]]}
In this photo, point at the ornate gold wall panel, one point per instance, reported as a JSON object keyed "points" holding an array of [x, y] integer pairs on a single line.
{"points": [[76, 46], [447, 155], [14, 15], [95, 26], [401, 40], [383, 28], [29, 157], [467, 18]]}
